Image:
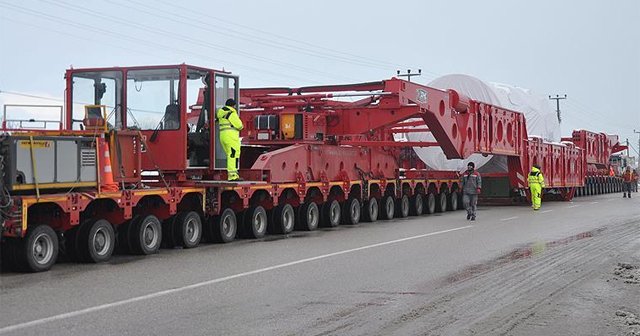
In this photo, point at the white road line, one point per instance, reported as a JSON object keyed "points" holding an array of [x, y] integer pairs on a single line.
{"points": [[210, 282], [510, 218], [573, 206], [545, 211], [593, 203]]}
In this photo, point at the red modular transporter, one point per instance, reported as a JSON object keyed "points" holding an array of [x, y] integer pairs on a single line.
{"points": [[137, 164]]}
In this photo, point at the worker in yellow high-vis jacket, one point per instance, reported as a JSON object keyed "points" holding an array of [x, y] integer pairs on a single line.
{"points": [[536, 183], [230, 126]]}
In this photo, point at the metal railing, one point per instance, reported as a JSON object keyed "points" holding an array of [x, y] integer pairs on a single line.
{"points": [[31, 123]]}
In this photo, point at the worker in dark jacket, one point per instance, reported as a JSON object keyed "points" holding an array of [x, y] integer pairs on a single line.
{"points": [[536, 183], [471, 187], [230, 127]]}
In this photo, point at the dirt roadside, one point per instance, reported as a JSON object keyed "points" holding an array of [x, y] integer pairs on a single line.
{"points": [[588, 284], [585, 284]]}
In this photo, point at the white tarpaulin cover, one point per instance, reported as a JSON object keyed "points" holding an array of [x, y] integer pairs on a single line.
{"points": [[540, 116]]}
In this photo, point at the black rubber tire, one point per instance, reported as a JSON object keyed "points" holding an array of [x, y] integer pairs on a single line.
{"points": [[145, 235], [387, 208], [255, 222], [8, 254], [402, 207], [331, 213], [351, 211], [187, 229], [95, 241], [70, 244], [370, 210], [38, 250], [224, 227], [282, 219], [416, 205], [452, 201], [441, 204], [168, 233], [430, 203], [308, 217]]}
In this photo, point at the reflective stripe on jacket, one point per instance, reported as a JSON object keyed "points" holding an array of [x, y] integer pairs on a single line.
{"points": [[536, 177], [228, 119], [629, 176], [471, 181]]}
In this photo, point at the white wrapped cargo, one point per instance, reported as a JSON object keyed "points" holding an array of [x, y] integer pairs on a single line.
{"points": [[541, 119]]}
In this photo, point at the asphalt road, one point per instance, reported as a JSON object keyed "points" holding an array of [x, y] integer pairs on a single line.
{"points": [[437, 274]]}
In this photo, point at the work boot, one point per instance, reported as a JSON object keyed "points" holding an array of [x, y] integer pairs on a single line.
{"points": [[468, 216], [473, 217], [624, 195]]}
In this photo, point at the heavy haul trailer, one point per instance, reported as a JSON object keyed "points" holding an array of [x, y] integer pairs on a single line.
{"points": [[279, 117], [600, 177], [309, 158]]}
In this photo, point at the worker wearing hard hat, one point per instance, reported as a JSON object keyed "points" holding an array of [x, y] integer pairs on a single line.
{"points": [[471, 188], [230, 126], [536, 183], [629, 177]]}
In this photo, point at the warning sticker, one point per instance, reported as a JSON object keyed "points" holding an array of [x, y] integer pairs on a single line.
{"points": [[36, 144]]}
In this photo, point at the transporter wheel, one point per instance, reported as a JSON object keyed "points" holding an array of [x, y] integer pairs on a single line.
{"points": [[430, 203], [68, 245], [168, 233], [283, 219], [8, 254], [123, 235], [416, 205], [388, 207], [95, 241], [145, 235], [453, 201], [255, 222], [308, 216], [370, 210], [441, 205], [403, 207], [38, 250], [223, 228], [187, 229], [351, 211], [331, 213]]}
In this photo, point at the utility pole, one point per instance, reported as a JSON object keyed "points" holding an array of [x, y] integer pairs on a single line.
{"points": [[409, 74], [557, 98], [638, 151]]}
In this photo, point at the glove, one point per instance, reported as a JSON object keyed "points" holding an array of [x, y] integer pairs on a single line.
{"points": [[478, 190]]}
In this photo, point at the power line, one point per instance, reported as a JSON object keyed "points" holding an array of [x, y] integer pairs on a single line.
{"points": [[31, 96], [323, 49], [319, 52], [140, 41], [189, 39], [586, 112]]}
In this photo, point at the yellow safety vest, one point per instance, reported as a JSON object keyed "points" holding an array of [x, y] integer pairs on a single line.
{"points": [[536, 177], [228, 119]]}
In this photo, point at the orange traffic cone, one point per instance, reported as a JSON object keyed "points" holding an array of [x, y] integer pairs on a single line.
{"points": [[106, 174]]}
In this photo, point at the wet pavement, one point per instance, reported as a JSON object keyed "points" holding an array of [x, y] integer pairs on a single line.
{"points": [[511, 272]]}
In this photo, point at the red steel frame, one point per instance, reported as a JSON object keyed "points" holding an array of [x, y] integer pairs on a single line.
{"points": [[345, 149]]}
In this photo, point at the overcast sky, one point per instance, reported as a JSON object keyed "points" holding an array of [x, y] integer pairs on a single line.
{"points": [[589, 50]]}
